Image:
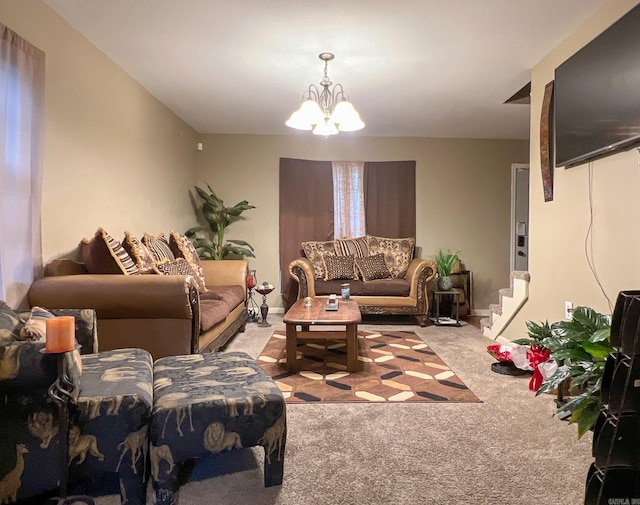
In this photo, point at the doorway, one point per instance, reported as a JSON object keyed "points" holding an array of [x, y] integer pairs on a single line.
{"points": [[519, 217]]}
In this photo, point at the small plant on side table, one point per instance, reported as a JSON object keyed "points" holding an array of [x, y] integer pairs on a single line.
{"points": [[445, 260]]}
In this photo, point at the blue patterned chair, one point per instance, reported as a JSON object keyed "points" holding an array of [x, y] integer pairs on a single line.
{"points": [[208, 403], [109, 412]]}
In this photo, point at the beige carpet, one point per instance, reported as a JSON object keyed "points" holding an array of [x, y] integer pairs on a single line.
{"points": [[509, 449]]}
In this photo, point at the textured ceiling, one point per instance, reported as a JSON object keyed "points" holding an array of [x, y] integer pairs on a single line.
{"points": [[423, 68]]}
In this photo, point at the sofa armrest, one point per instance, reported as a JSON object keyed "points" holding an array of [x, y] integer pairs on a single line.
{"points": [[420, 271], [301, 270], [225, 272], [117, 296]]}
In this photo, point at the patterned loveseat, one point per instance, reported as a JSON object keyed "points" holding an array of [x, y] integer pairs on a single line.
{"points": [[109, 411], [383, 275]]}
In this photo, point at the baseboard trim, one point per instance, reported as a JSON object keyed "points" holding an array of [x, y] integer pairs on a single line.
{"points": [[481, 312]]}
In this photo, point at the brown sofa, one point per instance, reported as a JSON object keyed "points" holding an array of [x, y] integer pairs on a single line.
{"points": [[400, 296], [163, 314]]}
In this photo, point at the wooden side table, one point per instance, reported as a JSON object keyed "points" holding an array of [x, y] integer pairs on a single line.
{"points": [[455, 294]]}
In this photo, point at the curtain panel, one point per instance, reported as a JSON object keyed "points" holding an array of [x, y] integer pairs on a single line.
{"points": [[306, 213], [22, 68], [390, 198]]}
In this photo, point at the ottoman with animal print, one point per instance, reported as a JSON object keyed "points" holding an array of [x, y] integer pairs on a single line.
{"points": [[110, 421], [208, 403]]}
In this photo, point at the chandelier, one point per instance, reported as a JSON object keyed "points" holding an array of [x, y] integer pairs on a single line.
{"points": [[327, 111]]}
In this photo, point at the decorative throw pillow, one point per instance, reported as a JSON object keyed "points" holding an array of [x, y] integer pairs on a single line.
{"points": [[356, 247], [339, 267], [139, 253], [372, 267], [35, 329], [105, 255], [158, 246], [398, 253], [182, 247], [10, 324], [174, 267], [315, 251]]}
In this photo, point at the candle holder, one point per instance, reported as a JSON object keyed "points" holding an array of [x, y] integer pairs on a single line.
{"points": [[252, 306], [264, 289]]}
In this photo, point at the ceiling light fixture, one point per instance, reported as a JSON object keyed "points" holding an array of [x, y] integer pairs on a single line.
{"points": [[326, 111]]}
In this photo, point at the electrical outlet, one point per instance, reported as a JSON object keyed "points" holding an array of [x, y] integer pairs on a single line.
{"points": [[568, 310]]}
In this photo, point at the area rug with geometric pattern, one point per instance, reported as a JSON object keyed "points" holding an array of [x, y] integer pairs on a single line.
{"points": [[394, 366]]}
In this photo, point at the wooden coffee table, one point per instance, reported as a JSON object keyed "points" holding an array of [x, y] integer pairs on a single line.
{"points": [[348, 315]]}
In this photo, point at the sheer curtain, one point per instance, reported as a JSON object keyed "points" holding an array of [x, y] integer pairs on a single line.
{"points": [[348, 199], [21, 111]]}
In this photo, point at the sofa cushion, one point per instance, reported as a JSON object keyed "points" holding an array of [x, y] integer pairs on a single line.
{"points": [[10, 323], [372, 267], [398, 253], [139, 252], [232, 295], [379, 287], [339, 267], [356, 247], [174, 267], [315, 251], [386, 287], [182, 247], [103, 254], [212, 312], [158, 246]]}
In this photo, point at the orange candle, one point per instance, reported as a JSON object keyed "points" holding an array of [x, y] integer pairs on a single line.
{"points": [[60, 336]]}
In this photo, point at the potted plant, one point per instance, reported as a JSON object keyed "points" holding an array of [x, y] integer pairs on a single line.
{"points": [[209, 241], [445, 260], [580, 347]]}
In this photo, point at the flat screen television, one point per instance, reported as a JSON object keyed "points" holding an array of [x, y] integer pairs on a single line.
{"points": [[596, 95]]}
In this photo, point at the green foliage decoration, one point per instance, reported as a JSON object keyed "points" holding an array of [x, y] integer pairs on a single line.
{"points": [[209, 241], [580, 347], [445, 260]]}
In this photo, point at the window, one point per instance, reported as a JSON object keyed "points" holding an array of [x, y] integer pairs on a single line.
{"points": [[348, 199], [21, 99]]}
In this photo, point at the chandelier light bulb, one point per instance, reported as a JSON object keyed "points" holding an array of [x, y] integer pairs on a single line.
{"points": [[326, 128], [326, 111], [346, 117]]}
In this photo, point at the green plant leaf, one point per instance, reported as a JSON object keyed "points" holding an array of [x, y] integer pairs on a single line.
{"points": [[445, 259], [241, 242], [597, 349], [219, 218], [601, 335], [571, 353], [554, 381], [585, 414]]}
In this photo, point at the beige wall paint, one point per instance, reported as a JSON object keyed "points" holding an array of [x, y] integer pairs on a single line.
{"points": [[462, 187], [114, 156], [557, 262]]}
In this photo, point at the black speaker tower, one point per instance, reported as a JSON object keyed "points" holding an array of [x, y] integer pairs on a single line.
{"points": [[614, 475]]}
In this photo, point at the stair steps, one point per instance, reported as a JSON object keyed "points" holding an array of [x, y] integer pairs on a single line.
{"points": [[510, 301]]}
